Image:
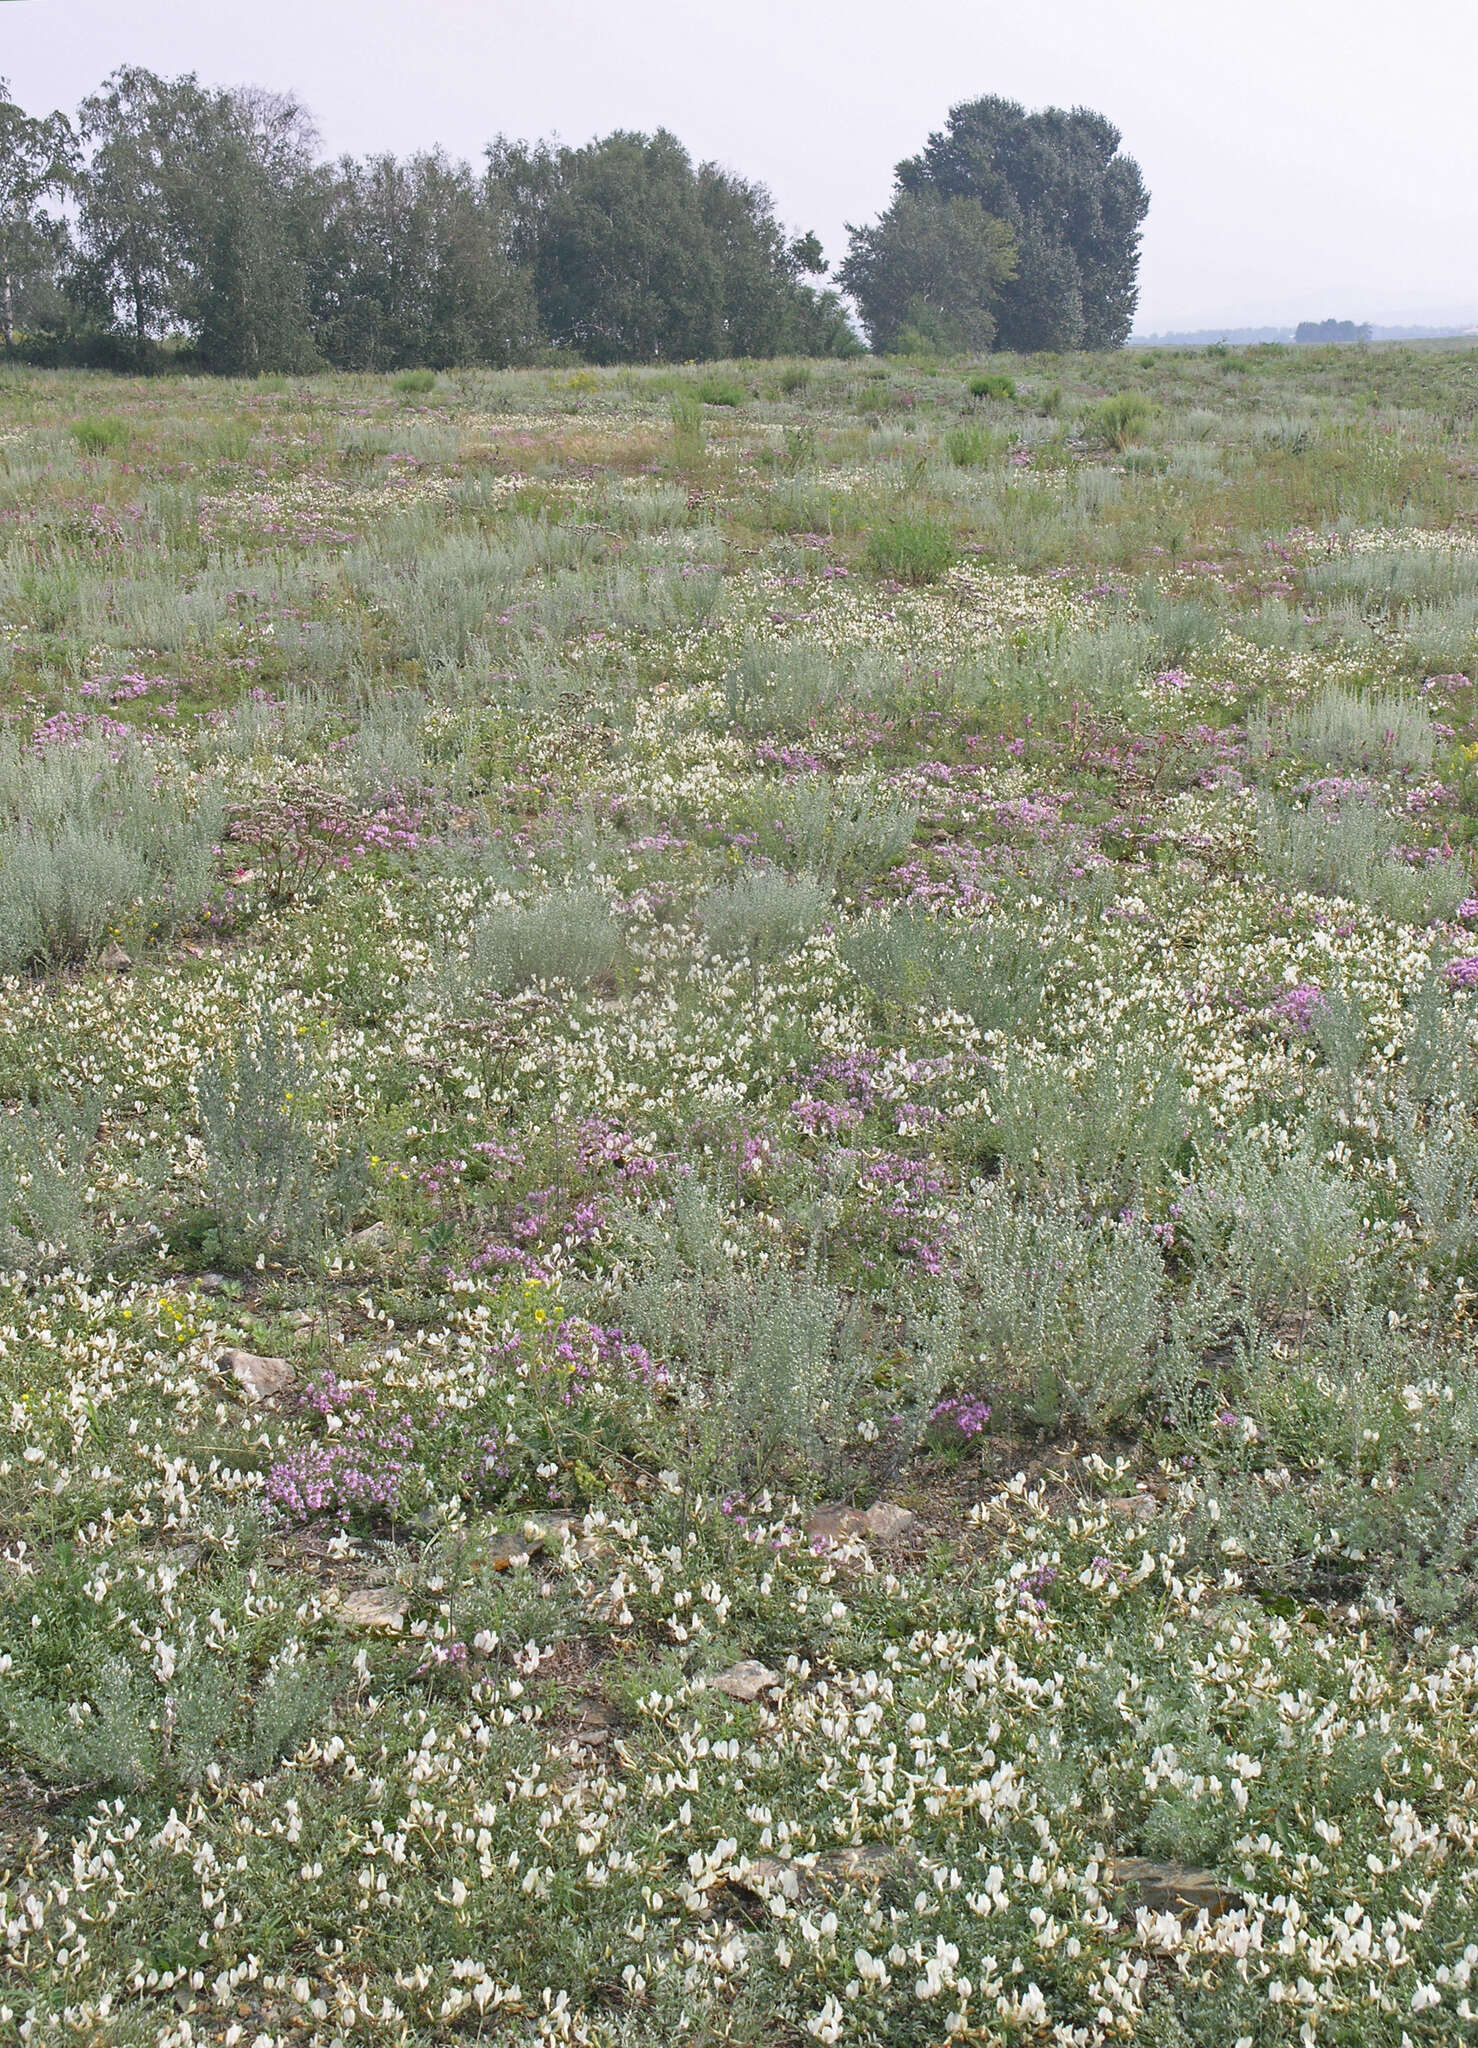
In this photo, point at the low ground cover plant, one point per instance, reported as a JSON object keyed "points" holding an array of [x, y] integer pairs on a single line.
{"points": [[738, 1145]]}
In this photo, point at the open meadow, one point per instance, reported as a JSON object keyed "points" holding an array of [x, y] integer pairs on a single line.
{"points": [[738, 1170]]}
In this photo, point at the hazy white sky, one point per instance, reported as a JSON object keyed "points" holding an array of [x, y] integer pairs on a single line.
{"points": [[1305, 157]]}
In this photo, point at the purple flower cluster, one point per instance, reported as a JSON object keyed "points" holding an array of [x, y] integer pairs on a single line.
{"points": [[1463, 973], [1031, 1588], [1296, 1008], [78, 728], [302, 832], [968, 1413]]}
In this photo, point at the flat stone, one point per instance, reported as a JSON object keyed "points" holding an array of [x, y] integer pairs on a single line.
{"points": [[867, 1864], [887, 1521], [745, 1681], [378, 1607], [835, 1525], [864, 1865], [1170, 1887], [1136, 1507], [884, 1522], [767, 1874], [260, 1379], [501, 1550]]}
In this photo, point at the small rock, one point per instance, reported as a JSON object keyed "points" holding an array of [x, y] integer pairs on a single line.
{"points": [[887, 1521], [182, 1557], [114, 959], [767, 1874], [260, 1379], [500, 1550], [868, 1864], [1137, 1507], [311, 1323], [745, 1681], [597, 1723], [1170, 1887], [835, 1525], [500, 1553], [884, 1522], [381, 1607]]}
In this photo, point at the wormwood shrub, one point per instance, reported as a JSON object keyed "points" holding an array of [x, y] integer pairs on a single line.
{"points": [[1388, 579], [783, 1355], [1440, 1057], [61, 896], [96, 847], [1062, 1311], [1287, 436], [1443, 632], [276, 1179], [1106, 662], [101, 436], [995, 974], [413, 383], [1438, 1160], [720, 390], [789, 1365], [1281, 1227], [1120, 1131], [779, 686], [45, 1149], [567, 935], [1348, 852], [762, 916], [1345, 729], [911, 547], [844, 831], [992, 384], [1183, 626], [387, 752], [795, 378]]}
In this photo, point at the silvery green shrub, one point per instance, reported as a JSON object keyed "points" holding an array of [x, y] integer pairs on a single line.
{"points": [[566, 935]]}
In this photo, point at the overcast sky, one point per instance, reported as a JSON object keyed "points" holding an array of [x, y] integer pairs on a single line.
{"points": [[1305, 157]]}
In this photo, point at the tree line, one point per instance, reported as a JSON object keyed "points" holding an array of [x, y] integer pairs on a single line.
{"points": [[169, 220]]}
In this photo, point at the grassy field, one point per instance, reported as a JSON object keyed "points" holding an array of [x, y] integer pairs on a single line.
{"points": [[737, 1205]]}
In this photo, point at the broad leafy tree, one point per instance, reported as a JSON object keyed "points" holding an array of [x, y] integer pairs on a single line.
{"points": [[1074, 202], [638, 256], [930, 272], [1057, 185], [411, 269], [138, 132], [205, 222], [35, 158]]}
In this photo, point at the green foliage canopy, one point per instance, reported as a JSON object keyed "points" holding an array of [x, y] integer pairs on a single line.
{"points": [[1056, 185]]}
